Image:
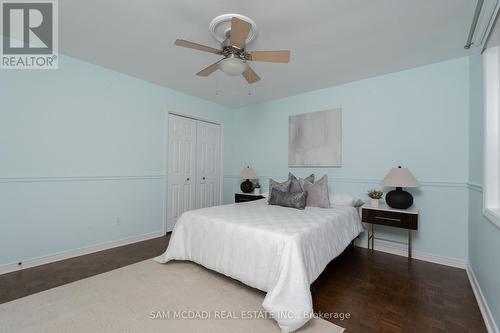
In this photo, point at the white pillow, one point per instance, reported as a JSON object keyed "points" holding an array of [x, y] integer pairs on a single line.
{"points": [[344, 199]]}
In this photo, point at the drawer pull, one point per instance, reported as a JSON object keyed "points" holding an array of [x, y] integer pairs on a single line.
{"points": [[387, 219]]}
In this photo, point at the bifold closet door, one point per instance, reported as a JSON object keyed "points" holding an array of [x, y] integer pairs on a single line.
{"points": [[181, 169], [208, 159]]}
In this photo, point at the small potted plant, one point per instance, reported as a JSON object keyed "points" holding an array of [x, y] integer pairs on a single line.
{"points": [[375, 195], [256, 186]]}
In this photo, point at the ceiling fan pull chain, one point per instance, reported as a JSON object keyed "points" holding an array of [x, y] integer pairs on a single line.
{"points": [[216, 85]]}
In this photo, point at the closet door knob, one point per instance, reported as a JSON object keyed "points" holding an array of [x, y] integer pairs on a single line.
{"points": [[187, 179], [203, 178]]}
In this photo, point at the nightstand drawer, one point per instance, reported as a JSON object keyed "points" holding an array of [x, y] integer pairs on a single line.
{"points": [[240, 197], [390, 218]]}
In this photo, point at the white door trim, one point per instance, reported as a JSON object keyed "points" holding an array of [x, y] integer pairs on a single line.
{"points": [[165, 151]]}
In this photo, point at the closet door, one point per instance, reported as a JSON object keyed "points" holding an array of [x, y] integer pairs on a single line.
{"points": [[208, 164], [181, 174]]}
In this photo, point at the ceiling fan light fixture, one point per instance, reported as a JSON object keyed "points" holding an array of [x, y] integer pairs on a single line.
{"points": [[233, 66]]}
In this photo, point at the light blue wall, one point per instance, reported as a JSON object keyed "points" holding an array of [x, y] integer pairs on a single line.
{"points": [[476, 120], [417, 118], [80, 146], [484, 236]]}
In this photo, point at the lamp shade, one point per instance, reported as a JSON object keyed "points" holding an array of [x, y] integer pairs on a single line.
{"points": [[248, 173], [400, 177]]}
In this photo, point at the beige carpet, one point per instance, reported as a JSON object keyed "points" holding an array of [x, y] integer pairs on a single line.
{"points": [[126, 299]]}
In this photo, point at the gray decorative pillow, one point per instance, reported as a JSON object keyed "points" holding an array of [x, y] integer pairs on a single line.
{"points": [[317, 193], [288, 199], [283, 187], [295, 185]]}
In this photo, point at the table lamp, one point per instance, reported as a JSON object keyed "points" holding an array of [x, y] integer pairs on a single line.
{"points": [[247, 174], [399, 177]]}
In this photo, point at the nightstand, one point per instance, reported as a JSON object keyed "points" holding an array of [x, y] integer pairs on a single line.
{"points": [[385, 215], [244, 197]]}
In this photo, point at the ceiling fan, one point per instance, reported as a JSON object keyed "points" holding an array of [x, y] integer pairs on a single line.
{"points": [[236, 57]]}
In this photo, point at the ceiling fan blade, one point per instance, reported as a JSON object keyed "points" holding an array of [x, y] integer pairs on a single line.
{"points": [[270, 56], [191, 45], [239, 32], [209, 70], [250, 75]]}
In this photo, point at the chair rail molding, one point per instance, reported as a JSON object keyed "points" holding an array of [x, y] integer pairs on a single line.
{"points": [[39, 179], [371, 181]]}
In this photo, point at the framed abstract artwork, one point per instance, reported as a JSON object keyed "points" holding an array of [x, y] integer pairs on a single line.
{"points": [[315, 139]]}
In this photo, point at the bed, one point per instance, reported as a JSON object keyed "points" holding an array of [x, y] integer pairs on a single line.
{"points": [[278, 250]]}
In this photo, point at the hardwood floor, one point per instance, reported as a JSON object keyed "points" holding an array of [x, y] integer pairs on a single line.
{"points": [[378, 291], [383, 294], [33, 280]]}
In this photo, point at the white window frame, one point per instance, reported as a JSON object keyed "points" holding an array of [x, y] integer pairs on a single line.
{"points": [[491, 183]]}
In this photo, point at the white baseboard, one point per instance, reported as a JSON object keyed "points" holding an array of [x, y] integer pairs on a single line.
{"points": [[401, 250], [491, 326], [12, 267]]}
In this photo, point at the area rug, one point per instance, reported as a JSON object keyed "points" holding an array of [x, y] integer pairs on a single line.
{"points": [[148, 297]]}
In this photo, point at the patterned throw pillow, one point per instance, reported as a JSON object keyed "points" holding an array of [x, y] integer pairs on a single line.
{"points": [[283, 187], [295, 185], [288, 199], [317, 193]]}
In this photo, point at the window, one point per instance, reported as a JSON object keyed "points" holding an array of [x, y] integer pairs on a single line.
{"points": [[491, 184]]}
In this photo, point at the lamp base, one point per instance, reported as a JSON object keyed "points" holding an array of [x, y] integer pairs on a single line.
{"points": [[399, 199], [246, 186]]}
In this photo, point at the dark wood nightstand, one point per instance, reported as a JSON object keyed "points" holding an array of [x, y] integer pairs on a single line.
{"points": [[384, 215], [244, 197]]}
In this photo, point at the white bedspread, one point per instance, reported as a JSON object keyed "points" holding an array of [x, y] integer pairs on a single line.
{"points": [[275, 249]]}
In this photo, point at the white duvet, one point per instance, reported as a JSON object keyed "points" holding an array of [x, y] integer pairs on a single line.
{"points": [[275, 249]]}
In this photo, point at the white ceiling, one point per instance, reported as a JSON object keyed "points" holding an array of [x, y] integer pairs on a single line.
{"points": [[332, 41]]}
